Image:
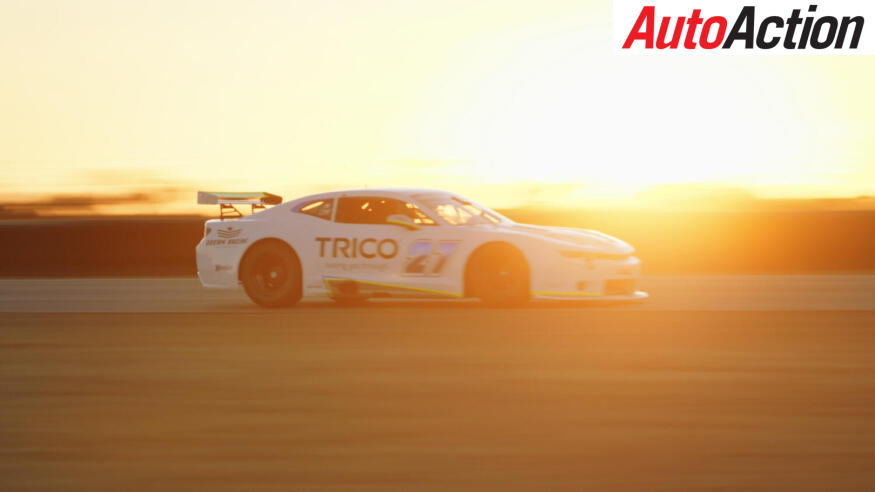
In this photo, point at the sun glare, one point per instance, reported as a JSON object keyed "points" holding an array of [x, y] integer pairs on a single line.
{"points": [[553, 110]]}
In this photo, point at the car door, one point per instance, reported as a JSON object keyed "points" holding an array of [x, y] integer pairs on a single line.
{"points": [[305, 233], [383, 254]]}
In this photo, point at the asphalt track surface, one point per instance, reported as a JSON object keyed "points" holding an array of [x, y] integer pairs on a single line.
{"points": [[684, 292], [717, 383]]}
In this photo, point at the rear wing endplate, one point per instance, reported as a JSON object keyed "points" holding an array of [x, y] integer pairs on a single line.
{"points": [[227, 201]]}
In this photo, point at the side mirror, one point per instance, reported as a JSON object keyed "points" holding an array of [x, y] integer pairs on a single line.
{"points": [[402, 220]]}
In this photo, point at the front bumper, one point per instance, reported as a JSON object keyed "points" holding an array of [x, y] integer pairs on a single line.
{"points": [[584, 279]]}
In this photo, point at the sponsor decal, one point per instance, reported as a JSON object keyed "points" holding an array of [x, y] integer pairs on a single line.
{"points": [[227, 237], [227, 242], [342, 247], [357, 267], [427, 257], [764, 27], [228, 233]]}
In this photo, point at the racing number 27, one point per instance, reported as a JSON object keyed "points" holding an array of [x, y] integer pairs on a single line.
{"points": [[427, 257]]}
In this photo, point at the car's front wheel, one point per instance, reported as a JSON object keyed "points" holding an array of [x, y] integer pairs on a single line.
{"points": [[271, 275], [498, 275]]}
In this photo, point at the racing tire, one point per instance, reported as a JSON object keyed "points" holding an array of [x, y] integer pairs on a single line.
{"points": [[499, 276], [271, 275]]}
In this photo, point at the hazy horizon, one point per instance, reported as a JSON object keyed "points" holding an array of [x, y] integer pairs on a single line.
{"points": [[693, 197]]}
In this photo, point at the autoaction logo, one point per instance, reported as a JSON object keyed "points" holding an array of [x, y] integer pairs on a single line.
{"points": [[742, 27]]}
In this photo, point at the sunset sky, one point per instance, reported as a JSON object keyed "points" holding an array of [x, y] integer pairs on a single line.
{"points": [[297, 97]]}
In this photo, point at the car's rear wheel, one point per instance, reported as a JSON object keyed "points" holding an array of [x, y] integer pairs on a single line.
{"points": [[271, 275], [498, 275]]}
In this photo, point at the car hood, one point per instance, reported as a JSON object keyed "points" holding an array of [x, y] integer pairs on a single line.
{"points": [[589, 240]]}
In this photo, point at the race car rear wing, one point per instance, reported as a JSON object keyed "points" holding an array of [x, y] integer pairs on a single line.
{"points": [[227, 201]]}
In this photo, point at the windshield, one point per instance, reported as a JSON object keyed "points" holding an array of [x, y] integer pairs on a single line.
{"points": [[458, 211]]}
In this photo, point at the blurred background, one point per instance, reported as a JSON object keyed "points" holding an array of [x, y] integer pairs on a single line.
{"points": [[116, 113]]}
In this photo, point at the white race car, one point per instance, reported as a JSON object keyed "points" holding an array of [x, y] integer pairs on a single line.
{"points": [[401, 243]]}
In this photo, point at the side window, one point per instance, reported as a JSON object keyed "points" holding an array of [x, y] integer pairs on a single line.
{"points": [[375, 210], [320, 208], [417, 215]]}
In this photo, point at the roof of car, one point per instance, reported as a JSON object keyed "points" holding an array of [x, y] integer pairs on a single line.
{"points": [[371, 191]]}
